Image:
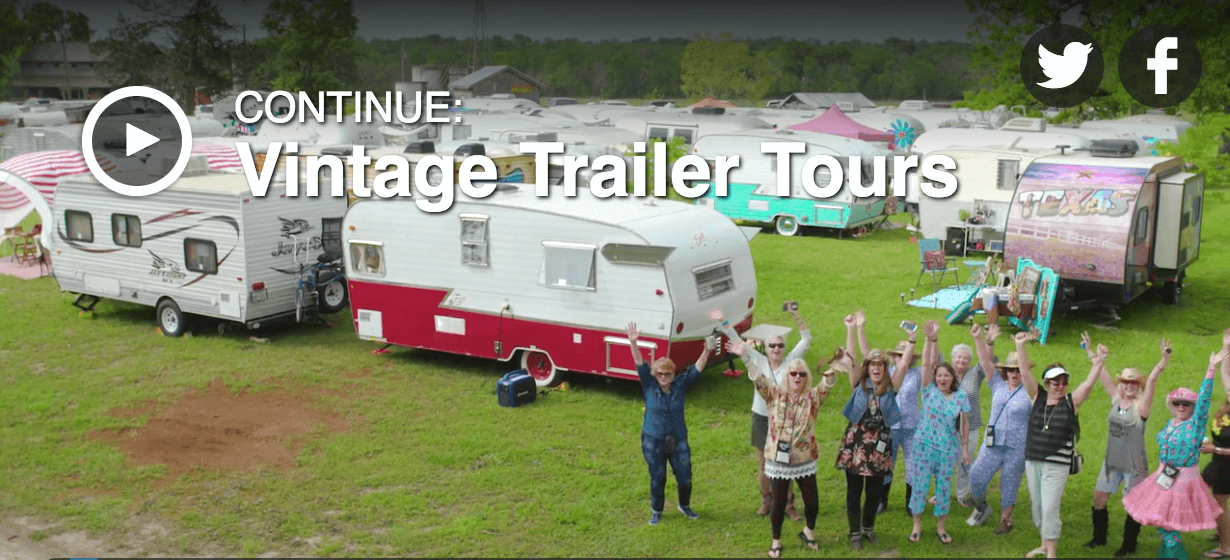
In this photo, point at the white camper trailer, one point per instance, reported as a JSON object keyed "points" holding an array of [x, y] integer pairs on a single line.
{"points": [[986, 179], [204, 246], [548, 281]]}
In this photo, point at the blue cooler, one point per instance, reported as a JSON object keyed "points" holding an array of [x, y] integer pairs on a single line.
{"points": [[516, 388]]}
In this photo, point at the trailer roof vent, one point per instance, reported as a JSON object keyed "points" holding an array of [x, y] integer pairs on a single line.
{"points": [[197, 165], [1023, 124], [426, 147], [337, 151], [474, 149], [1113, 148], [548, 137], [708, 110]]}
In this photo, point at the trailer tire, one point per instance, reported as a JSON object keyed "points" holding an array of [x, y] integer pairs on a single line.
{"points": [[787, 225], [539, 365], [333, 296], [1172, 292], [170, 318]]}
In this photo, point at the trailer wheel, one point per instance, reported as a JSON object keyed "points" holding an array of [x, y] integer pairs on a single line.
{"points": [[787, 225], [1172, 292], [333, 296], [539, 366], [170, 319]]}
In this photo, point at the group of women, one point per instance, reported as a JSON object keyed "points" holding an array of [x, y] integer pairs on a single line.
{"points": [[932, 413]]}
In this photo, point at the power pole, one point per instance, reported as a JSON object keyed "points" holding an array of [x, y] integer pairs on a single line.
{"points": [[478, 37]]}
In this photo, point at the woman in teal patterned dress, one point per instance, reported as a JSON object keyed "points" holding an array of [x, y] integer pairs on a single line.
{"points": [[1174, 498]]}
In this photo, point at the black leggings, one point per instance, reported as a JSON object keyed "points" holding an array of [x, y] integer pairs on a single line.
{"points": [[811, 502], [865, 517]]}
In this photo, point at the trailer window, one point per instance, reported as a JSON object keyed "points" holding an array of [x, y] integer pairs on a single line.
{"points": [[684, 133], [367, 258], [201, 256], [80, 225], [569, 266], [1009, 169], [714, 279], [1142, 225], [474, 240], [658, 133], [126, 230]]}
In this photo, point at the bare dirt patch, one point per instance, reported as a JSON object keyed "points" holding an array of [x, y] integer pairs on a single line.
{"points": [[223, 430]]}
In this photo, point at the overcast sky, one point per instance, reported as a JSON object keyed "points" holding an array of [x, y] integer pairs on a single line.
{"points": [[594, 20]]}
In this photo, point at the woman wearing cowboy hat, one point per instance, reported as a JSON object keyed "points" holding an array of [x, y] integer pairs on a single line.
{"points": [[903, 356], [1050, 442], [1126, 463], [1174, 498], [1003, 444], [1217, 473], [867, 442]]}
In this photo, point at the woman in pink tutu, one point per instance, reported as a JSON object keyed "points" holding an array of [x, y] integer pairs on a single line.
{"points": [[1174, 498]]}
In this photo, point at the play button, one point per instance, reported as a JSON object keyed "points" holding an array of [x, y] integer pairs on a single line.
{"points": [[137, 140], [142, 137]]}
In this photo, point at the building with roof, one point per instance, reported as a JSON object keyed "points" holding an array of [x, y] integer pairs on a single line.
{"points": [[64, 71], [493, 80], [848, 101]]}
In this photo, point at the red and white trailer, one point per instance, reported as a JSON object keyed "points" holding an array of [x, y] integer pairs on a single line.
{"points": [[549, 281]]}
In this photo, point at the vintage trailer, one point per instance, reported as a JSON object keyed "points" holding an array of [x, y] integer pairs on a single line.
{"points": [[1111, 228], [550, 282], [752, 188]]}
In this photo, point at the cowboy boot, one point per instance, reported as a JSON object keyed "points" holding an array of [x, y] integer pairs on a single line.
{"points": [[790, 511], [1101, 518]]}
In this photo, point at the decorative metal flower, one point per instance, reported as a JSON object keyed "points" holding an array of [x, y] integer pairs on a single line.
{"points": [[1152, 142], [903, 133]]}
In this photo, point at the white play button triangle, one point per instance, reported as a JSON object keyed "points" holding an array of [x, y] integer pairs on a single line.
{"points": [[136, 140]]}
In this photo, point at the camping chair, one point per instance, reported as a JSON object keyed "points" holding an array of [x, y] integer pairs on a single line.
{"points": [[932, 259], [26, 250]]}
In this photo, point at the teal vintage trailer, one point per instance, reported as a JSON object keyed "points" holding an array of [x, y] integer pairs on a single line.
{"points": [[752, 190]]}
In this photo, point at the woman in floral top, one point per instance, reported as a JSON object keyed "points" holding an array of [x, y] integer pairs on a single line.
{"points": [[937, 441], [1174, 498], [790, 449], [866, 446]]}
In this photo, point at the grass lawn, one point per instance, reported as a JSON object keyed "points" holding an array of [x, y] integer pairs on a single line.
{"points": [[430, 465]]}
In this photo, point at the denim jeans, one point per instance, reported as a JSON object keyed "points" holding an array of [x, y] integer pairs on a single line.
{"points": [[681, 463]]}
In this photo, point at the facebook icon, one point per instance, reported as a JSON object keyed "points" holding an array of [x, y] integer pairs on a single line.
{"points": [[1160, 64]]}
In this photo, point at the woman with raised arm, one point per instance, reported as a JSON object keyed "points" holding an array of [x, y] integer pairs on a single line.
{"points": [[1050, 444], [903, 356], [790, 451], [1126, 463], [773, 364], [1174, 498], [865, 446], [938, 440], [664, 433], [1003, 444], [1217, 473], [969, 380]]}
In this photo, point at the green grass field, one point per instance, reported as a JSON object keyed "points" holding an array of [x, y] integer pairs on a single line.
{"points": [[431, 465]]}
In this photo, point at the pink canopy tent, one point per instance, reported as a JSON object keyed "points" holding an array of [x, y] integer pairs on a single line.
{"points": [[835, 122], [712, 102]]}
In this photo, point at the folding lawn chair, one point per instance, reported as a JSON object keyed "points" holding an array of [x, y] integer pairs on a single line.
{"points": [[932, 259]]}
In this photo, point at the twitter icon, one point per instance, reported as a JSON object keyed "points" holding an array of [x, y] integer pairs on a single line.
{"points": [[1063, 70], [1061, 66]]}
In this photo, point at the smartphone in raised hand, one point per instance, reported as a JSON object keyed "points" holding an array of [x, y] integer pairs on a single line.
{"points": [[790, 306], [909, 326]]}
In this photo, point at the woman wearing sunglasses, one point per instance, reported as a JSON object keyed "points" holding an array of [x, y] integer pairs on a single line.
{"points": [[1126, 463], [664, 434], [790, 452], [1174, 498], [1050, 441]]}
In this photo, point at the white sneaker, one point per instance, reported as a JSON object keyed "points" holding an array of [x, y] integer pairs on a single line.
{"points": [[972, 519]]}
